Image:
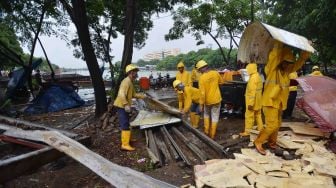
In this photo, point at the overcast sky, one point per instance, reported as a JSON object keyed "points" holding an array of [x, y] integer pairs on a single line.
{"points": [[61, 55]]}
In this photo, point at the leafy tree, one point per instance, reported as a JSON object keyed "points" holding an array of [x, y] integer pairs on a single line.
{"points": [[219, 19]]}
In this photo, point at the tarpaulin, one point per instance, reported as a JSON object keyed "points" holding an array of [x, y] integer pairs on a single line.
{"points": [[53, 99], [319, 100]]}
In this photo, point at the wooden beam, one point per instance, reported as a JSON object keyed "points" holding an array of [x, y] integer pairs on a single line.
{"points": [[153, 147], [169, 144], [190, 145], [205, 139], [116, 175], [178, 149], [16, 166]]}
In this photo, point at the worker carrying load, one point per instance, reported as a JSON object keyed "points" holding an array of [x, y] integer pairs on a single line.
{"points": [[210, 100], [281, 62], [184, 77], [253, 94], [123, 104], [191, 97], [316, 71]]}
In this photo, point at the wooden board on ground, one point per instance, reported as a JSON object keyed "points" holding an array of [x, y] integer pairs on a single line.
{"points": [[301, 129]]}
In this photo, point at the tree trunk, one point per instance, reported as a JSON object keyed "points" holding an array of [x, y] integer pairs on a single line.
{"points": [[128, 41], [47, 59], [32, 51], [220, 48], [80, 20]]}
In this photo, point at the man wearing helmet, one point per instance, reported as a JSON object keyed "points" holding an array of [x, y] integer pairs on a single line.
{"points": [[184, 77], [281, 62], [123, 104], [210, 100], [191, 97], [316, 71]]}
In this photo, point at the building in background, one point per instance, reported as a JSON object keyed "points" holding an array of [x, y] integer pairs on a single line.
{"points": [[161, 54]]}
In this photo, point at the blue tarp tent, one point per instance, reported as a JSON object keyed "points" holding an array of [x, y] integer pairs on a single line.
{"points": [[54, 98]]}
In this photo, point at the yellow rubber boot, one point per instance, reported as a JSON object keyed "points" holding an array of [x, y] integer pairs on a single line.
{"points": [[192, 119], [125, 140], [262, 137], [206, 125], [249, 121], [196, 119], [213, 130]]}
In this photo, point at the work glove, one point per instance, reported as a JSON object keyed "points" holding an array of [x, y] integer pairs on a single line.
{"points": [[249, 107], [128, 108]]}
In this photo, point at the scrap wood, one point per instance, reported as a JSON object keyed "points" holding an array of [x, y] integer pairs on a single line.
{"points": [[21, 142], [280, 174], [254, 166], [288, 124], [218, 173], [285, 142], [146, 119], [297, 137], [306, 130], [116, 175], [163, 106]]}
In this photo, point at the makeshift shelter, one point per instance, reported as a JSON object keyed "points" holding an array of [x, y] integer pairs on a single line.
{"points": [[319, 100], [55, 98]]}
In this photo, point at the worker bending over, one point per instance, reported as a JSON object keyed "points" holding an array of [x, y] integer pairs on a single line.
{"points": [[191, 97], [253, 95], [274, 100], [210, 100], [123, 104], [184, 77], [316, 71]]}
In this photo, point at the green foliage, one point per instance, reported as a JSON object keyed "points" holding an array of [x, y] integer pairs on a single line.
{"points": [[212, 57]]}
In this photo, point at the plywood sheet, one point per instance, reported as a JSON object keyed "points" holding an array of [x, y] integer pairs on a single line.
{"points": [[146, 119]]}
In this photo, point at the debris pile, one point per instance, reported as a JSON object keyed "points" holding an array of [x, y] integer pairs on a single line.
{"points": [[315, 166]]}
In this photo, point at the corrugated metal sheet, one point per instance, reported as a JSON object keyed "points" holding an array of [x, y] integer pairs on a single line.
{"points": [[258, 38]]}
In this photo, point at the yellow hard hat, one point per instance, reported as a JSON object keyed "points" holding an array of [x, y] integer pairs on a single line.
{"points": [[201, 64], [180, 64], [287, 55], [131, 67], [315, 67], [176, 83]]}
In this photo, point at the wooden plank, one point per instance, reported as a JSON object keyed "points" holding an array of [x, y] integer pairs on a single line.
{"points": [[190, 145], [178, 149], [214, 145], [16, 166], [114, 174], [163, 106], [21, 142], [163, 148], [169, 145], [153, 147], [306, 130]]}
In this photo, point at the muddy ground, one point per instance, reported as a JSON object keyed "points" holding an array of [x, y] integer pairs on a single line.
{"points": [[68, 173]]}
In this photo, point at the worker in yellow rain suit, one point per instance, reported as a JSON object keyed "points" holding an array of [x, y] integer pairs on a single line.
{"points": [[195, 77], [123, 104], [184, 77], [191, 97], [253, 94], [210, 100], [316, 71], [274, 100]]}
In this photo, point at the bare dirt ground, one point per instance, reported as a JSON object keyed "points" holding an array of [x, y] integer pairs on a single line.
{"points": [[68, 173]]}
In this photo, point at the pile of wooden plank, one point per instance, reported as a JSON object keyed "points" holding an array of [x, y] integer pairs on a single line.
{"points": [[315, 168]]}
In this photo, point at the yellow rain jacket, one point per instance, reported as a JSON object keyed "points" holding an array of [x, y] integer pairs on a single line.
{"points": [[274, 76], [126, 93], [316, 73], [190, 95], [293, 76], [254, 86], [195, 75], [185, 78], [209, 87]]}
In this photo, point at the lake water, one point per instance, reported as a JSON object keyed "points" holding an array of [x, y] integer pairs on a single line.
{"points": [[141, 73], [87, 94]]}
